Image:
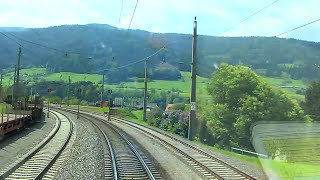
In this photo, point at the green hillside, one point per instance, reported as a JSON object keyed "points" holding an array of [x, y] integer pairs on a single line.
{"points": [[88, 48]]}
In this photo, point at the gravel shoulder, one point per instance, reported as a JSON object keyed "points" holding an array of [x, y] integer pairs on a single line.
{"points": [[20, 142], [86, 156]]}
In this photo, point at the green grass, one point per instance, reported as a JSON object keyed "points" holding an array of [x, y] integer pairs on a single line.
{"points": [[33, 71], [64, 76], [183, 85], [301, 157], [290, 170], [36, 74], [302, 150], [279, 82], [138, 118], [95, 109], [168, 85]]}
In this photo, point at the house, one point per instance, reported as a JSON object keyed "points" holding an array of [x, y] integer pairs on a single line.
{"points": [[169, 107], [104, 104], [148, 107], [118, 102], [137, 107], [151, 106]]}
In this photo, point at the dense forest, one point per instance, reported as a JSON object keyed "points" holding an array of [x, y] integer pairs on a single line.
{"points": [[89, 48]]}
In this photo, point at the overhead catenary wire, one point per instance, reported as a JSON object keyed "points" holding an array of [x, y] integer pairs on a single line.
{"points": [[247, 18], [135, 7], [138, 61], [297, 27]]}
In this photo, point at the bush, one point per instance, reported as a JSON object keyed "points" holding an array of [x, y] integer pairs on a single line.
{"points": [[156, 113], [126, 112], [179, 106], [84, 103], [299, 91], [154, 122], [164, 124]]}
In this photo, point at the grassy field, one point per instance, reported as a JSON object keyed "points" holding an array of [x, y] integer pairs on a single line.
{"points": [[183, 85], [64, 76], [138, 119], [89, 108], [279, 82], [95, 109], [276, 82], [302, 158]]}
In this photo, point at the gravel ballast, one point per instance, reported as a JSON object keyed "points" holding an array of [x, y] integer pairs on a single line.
{"points": [[85, 160], [160, 156]]}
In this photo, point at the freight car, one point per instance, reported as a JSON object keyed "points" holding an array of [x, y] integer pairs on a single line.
{"points": [[24, 114]]}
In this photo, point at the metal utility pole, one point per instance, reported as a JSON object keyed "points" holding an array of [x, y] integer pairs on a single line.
{"points": [[14, 87], [69, 90], [49, 92], [145, 91], [110, 104], [79, 94], [1, 76], [1, 84], [102, 89], [18, 74], [192, 116]]}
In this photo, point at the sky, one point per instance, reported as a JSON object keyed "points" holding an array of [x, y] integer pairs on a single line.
{"points": [[171, 16]]}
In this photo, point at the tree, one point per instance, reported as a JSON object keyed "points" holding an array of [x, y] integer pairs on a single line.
{"points": [[178, 106], [240, 98], [312, 101]]}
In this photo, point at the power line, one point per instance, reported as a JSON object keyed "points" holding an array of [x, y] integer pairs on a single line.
{"points": [[10, 38], [45, 46], [133, 14], [120, 11], [297, 27], [138, 61], [245, 19]]}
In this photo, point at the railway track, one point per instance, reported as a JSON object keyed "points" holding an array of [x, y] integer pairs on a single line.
{"points": [[123, 159], [36, 163], [206, 164]]}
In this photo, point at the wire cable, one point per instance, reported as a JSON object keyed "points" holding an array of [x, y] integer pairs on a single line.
{"points": [[10, 38], [45, 46], [120, 12], [133, 14], [297, 28], [247, 18], [138, 61]]}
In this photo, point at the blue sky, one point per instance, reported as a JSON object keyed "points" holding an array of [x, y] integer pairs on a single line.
{"points": [[214, 16]]}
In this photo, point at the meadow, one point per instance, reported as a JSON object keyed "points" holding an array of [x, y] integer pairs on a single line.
{"points": [[182, 86]]}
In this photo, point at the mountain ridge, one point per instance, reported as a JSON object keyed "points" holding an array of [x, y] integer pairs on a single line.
{"points": [[274, 56]]}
